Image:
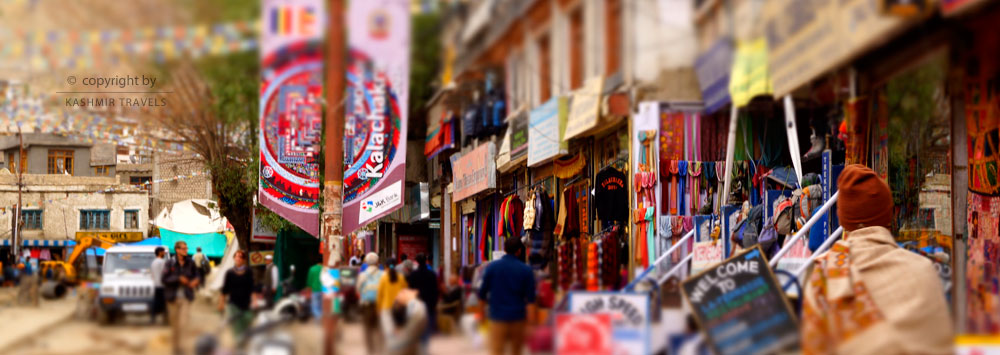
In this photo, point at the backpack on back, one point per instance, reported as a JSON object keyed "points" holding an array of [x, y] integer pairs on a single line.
{"points": [[753, 226], [369, 288]]}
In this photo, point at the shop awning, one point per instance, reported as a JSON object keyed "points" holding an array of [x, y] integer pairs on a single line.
{"points": [[440, 133], [212, 244], [41, 243]]}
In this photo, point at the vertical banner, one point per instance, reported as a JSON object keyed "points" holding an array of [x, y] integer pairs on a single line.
{"points": [[291, 113], [378, 70]]}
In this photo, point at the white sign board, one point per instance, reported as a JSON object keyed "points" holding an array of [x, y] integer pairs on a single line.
{"points": [[630, 317]]}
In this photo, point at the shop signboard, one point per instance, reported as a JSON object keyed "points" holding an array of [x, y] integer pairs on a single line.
{"points": [[375, 120], [259, 257], [583, 334], [474, 171], [262, 233], [585, 108], [120, 237], [546, 125], [706, 254], [712, 68], [809, 38], [740, 307], [514, 149], [291, 110], [630, 317]]}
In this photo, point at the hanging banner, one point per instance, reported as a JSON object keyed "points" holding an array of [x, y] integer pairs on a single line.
{"points": [[585, 109], [712, 69], [291, 110], [749, 75], [546, 126], [378, 71]]}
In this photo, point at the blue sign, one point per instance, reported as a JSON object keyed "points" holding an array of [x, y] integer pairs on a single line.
{"points": [[712, 69]]}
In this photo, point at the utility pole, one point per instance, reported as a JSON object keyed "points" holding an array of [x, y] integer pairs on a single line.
{"points": [[331, 232], [16, 236]]}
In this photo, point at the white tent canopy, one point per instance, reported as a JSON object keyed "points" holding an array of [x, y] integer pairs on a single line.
{"points": [[195, 216]]}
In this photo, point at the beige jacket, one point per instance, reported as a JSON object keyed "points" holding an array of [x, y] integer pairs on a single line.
{"points": [[898, 307]]}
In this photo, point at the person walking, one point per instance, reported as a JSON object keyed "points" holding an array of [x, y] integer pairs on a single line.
{"points": [[508, 288], [388, 288], [866, 295], [156, 268], [201, 262], [368, 283], [409, 324], [316, 299], [179, 281], [237, 292], [425, 282], [270, 280], [405, 265]]}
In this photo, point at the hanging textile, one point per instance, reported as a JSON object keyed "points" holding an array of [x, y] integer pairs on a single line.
{"points": [[611, 195], [569, 167]]}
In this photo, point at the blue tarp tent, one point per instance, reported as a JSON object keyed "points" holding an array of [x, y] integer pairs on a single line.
{"points": [[213, 245], [100, 251]]}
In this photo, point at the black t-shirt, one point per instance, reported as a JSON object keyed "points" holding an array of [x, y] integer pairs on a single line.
{"points": [[612, 195], [238, 287]]}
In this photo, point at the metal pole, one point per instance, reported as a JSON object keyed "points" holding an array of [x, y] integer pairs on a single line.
{"points": [[730, 152], [822, 248], [16, 242], [333, 186], [805, 228]]}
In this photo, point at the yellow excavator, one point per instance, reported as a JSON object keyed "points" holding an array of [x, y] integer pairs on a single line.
{"points": [[65, 271]]}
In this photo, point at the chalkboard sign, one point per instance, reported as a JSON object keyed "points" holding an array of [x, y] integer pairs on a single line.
{"points": [[740, 307]]}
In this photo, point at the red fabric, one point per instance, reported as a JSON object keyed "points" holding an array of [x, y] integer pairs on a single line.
{"points": [[35, 253]]}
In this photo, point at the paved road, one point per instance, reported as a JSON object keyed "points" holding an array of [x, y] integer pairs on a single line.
{"points": [[135, 335]]}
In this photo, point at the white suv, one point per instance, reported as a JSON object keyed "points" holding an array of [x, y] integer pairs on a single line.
{"points": [[127, 282]]}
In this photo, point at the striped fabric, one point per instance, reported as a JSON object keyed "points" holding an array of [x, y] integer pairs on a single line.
{"points": [[40, 243]]}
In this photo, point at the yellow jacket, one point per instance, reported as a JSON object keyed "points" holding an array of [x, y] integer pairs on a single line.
{"points": [[388, 290]]}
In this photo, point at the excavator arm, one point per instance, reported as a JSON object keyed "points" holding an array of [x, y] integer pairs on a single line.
{"points": [[82, 244]]}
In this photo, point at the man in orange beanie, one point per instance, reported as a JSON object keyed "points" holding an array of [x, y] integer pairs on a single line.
{"points": [[866, 295]]}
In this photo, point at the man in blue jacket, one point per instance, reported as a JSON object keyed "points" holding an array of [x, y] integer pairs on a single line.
{"points": [[509, 290]]}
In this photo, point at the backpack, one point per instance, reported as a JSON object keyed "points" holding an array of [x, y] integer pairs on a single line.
{"points": [[810, 199], [769, 239], [752, 228], [784, 219], [369, 288]]}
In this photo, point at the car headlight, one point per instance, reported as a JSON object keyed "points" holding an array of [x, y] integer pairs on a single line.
{"points": [[107, 290]]}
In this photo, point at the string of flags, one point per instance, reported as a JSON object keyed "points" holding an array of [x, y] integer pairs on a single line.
{"points": [[87, 49], [5, 210]]}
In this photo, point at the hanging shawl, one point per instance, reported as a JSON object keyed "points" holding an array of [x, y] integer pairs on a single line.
{"points": [[569, 167], [694, 169], [682, 171]]}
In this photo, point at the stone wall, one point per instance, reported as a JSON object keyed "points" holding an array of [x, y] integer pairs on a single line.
{"points": [[168, 166]]}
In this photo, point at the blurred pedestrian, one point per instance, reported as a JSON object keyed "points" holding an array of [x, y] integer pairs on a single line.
{"points": [[316, 286], [355, 261], [179, 281], [866, 295], [508, 287], [237, 292], [388, 288], [368, 283], [405, 266], [409, 323], [29, 284], [156, 268], [425, 282], [201, 262], [270, 280]]}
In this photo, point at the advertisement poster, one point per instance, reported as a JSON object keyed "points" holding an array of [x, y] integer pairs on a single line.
{"points": [[291, 110], [579, 334], [375, 109], [474, 171]]}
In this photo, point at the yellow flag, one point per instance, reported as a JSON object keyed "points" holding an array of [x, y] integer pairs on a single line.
{"points": [[749, 76]]}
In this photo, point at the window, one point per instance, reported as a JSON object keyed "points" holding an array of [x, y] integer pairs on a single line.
{"points": [[12, 163], [95, 219], [131, 219], [576, 48], [102, 171], [60, 161], [543, 68], [32, 219]]}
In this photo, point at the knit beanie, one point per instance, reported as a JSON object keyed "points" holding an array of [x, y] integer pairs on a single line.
{"points": [[865, 200]]}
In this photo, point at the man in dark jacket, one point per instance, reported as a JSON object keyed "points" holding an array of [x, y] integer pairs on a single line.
{"points": [[425, 282], [509, 290], [180, 278]]}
